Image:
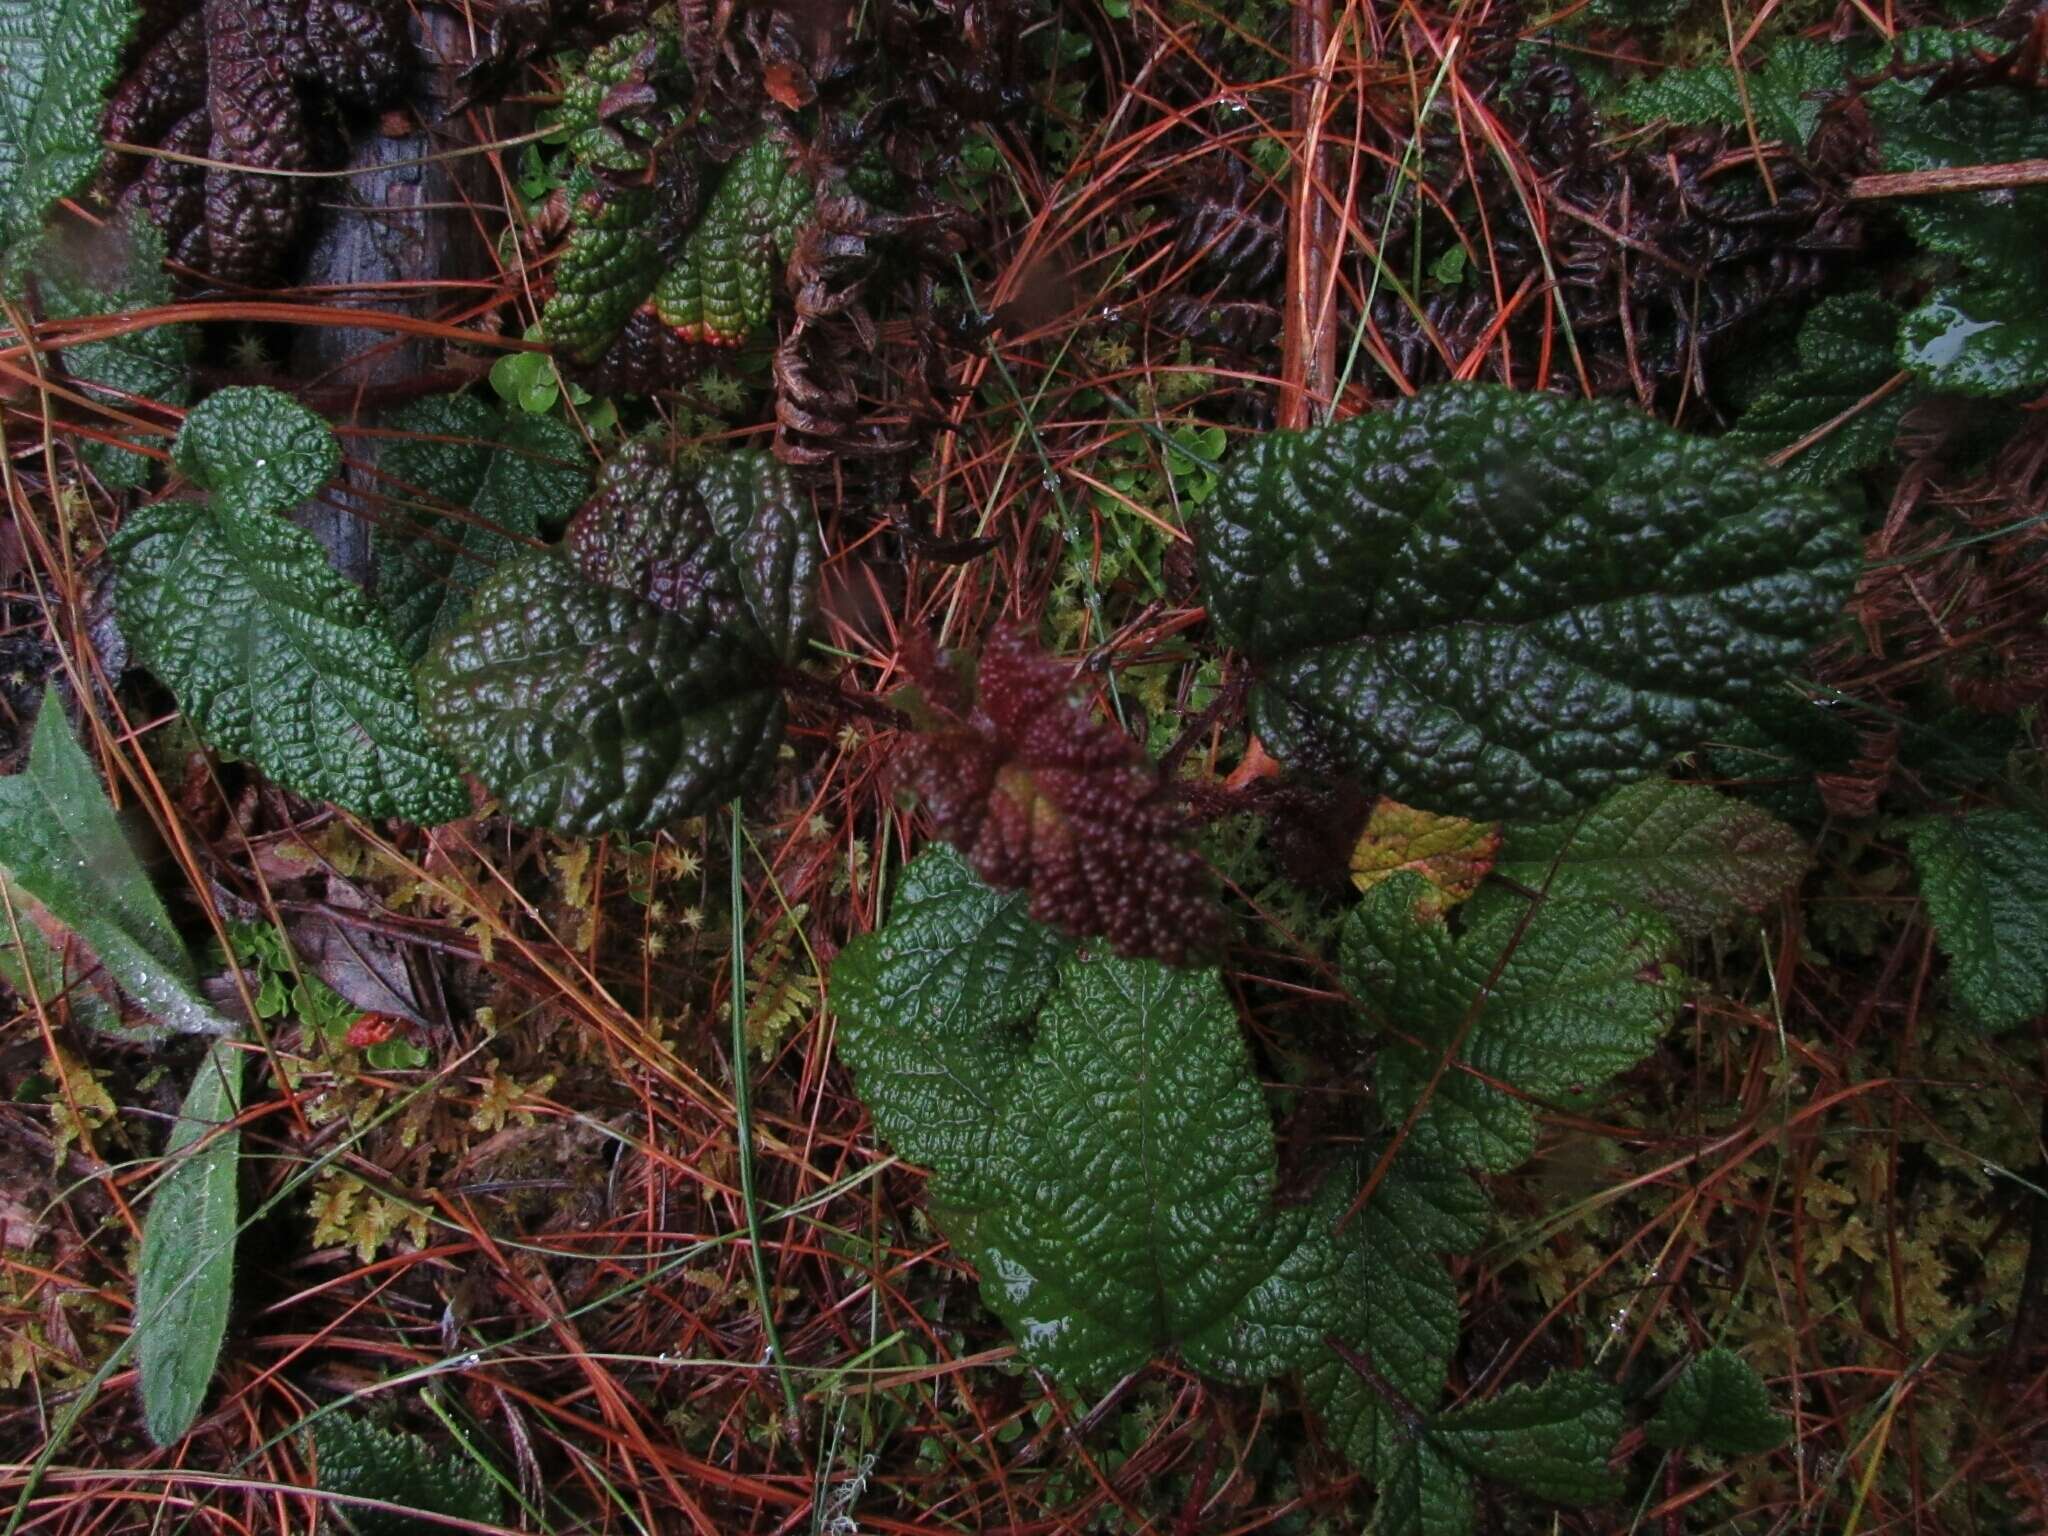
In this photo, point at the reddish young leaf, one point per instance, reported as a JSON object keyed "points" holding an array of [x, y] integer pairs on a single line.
{"points": [[1040, 795]]}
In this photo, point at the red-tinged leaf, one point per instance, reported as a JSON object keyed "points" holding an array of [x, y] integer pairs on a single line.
{"points": [[1041, 795]]}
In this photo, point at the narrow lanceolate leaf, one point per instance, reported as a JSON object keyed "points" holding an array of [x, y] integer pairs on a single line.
{"points": [[61, 844], [1695, 856], [58, 59], [116, 270], [187, 1270], [1548, 1002], [1984, 877], [632, 675], [1494, 604], [272, 655], [512, 471], [1719, 1402]]}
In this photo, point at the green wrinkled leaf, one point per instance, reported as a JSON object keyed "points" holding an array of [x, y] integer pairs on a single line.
{"points": [[630, 677], [1683, 851], [186, 1276], [61, 844], [722, 287], [1110, 1175], [1582, 994], [1984, 876], [958, 972], [118, 270], [1848, 349], [606, 270], [1983, 338], [1720, 1403], [1400, 1309], [1550, 1440], [58, 59], [257, 450], [359, 1459], [272, 655], [1979, 333], [514, 473], [1507, 605], [1787, 89]]}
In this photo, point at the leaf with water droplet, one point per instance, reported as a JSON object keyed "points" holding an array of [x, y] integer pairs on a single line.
{"points": [[186, 1276], [61, 844]]}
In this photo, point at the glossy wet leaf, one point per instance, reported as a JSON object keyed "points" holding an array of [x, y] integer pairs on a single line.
{"points": [[1979, 332], [514, 473], [58, 60], [1101, 1152], [1984, 877], [185, 1280], [1550, 1008], [360, 1459], [1720, 1403], [273, 655], [1981, 338], [721, 287], [958, 973], [632, 675], [1493, 604], [1695, 856], [61, 844]]}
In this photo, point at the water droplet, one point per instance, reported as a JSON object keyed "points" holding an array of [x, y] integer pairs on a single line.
{"points": [[1049, 480], [1111, 313]]}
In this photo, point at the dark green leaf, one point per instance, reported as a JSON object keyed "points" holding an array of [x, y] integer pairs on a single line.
{"points": [[61, 844], [58, 58], [272, 654], [359, 1459], [1720, 1403], [515, 473], [256, 450], [1581, 993], [186, 1277], [1848, 350], [1984, 876], [1551, 1440], [958, 973], [1498, 604], [626, 678], [1681, 850], [721, 286], [1787, 90]]}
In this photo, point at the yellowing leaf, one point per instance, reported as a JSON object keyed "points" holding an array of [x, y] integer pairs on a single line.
{"points": [[1450, 853]]}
